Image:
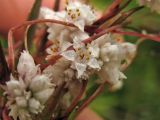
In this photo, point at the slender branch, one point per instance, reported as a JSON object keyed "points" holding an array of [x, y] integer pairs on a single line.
{"points": [[125, 5], [110, 12], [4, 115], [11, 59], [154, 38], [125, 15], [56, 5], [10, 51]]}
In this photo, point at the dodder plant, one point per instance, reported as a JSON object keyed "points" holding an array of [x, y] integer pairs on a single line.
{"points": [[72, 47]]}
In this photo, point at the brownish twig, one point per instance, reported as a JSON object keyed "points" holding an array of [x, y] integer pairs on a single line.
{"points": [[110, 12], [11, 55], [152, 37], [56, 5], [125, 15]]}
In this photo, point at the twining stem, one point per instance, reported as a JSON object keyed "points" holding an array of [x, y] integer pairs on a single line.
{"points": [[11, 60], [125, 15], [152, 37], [26, 38]]}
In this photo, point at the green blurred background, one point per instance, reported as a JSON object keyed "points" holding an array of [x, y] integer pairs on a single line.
{"points": [[139, 99]]}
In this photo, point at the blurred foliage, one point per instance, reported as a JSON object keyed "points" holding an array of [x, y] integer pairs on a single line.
{"points": [[139, 99]]}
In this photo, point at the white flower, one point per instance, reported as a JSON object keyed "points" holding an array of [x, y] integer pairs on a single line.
{"points": [[129, 50], [83, 57], [28, 93], [112, 54], [79, 14], [26, 66], [116, 86], [57, 71]]}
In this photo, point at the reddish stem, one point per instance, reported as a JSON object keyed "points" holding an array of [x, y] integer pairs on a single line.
{"points": [[4, 115], [155, 38], [10, 36], [110, 12]]}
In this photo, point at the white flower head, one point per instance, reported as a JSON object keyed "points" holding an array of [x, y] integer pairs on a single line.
{"points": [[83, 57], [26, 66], [28, 93], [80, 14]]}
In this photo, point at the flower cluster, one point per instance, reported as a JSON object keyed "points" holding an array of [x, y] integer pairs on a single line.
{"points": [[74, 54], [103, 56], [28, 92]]}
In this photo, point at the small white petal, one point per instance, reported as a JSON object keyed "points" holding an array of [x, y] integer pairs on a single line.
{"points": [[69, 55], [93, 63], [13, 84], [80, 24], [21, 102], [65, 45], [94, 49], [81, 68], [43, 95], [117, 86], [35, 106], [39, 83]]}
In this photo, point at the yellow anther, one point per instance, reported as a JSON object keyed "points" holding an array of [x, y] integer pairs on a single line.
{"points": [[73, 16], [77, 10], [69, 10], [79, 14]]}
